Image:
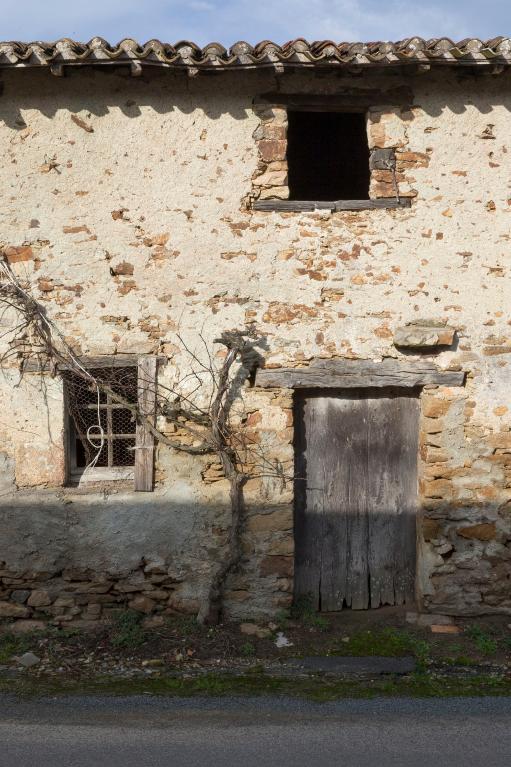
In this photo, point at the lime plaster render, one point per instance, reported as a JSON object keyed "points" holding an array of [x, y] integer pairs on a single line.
{"points": [[154, 188]]}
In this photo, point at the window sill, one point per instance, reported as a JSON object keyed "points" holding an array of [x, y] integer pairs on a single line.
{"points": [[101, 474], [303, 206]]}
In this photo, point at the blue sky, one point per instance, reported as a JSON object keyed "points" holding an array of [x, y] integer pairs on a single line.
{"points": [[226, 21]]}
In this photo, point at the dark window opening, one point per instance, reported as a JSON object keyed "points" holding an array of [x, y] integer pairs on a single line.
{"points": [[116, 443], [328, 156]]}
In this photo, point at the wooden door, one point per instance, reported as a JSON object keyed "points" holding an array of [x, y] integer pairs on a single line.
{"points": [[355, 498]]}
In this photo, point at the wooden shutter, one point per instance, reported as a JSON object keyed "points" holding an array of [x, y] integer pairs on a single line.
{"points": [[144, 451]]}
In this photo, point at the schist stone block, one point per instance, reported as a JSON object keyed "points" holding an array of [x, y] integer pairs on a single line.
{"points": [[423, 335]]}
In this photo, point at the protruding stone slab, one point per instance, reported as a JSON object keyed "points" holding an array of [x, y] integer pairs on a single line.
{"points": [[423, 334]]}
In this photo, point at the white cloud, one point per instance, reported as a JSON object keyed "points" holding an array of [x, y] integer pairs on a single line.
{"points": [[201, 5], [231, 20], [50, 19], [342, 20]]}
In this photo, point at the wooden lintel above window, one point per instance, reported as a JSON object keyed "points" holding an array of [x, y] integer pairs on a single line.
{"points": [[349, 374], [346, 98], [305, 206], [112, 361]]}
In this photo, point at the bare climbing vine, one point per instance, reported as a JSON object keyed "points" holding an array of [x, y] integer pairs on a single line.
{"points": [[201, 414]]}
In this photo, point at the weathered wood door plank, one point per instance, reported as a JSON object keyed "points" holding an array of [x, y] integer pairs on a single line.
{"points": [[393, 446], [309, 525], [331, 470], [353, 502]]}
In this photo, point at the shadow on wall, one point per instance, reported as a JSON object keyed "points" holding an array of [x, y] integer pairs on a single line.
{"points": [[220, 93], [98, 90], [454, 560], [110, 549], [49, 530], [62, 541]]}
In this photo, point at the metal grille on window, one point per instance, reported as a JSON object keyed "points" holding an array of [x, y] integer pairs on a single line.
{"points": [[117, 422]]}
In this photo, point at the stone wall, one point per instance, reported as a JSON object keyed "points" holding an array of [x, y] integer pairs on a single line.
{"points": [[137, 227], [465, 553]]}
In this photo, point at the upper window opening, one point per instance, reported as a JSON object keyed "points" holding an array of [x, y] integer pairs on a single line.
{"points": [[328, 156], [116, 443]]}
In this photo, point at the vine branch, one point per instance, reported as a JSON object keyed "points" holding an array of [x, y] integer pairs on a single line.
{"points": [[210, 427]]}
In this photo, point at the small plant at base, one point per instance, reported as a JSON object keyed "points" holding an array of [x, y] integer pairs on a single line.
{"points": [[247, 650], [320, 622], [282, 619], [421, 650], [303, 611], [456, 649], [464, 660], [185, 625], [482, 640], [12, 645], [127, 630]]}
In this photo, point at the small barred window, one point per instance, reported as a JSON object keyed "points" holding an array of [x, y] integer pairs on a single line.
{"points": [[102, 432], [327, 156]]}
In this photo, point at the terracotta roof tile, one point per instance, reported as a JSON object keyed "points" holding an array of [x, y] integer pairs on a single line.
{"points": [[297, 53]]}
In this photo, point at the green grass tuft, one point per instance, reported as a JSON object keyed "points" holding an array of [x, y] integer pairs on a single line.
{"points": [[304, 612], [127, 630], [485, 643], [12, 644], [247, 650]]}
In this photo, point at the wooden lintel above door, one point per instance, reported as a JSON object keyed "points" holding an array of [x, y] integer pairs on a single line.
{"points": [[346, 374]]}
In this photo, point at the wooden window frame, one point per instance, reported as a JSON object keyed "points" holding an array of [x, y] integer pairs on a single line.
{"points": [[353, 103], [142, 472], [98, 473], [147, 380]]}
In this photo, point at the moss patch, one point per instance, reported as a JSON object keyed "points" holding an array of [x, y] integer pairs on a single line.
{"points": [[387, 642], [422, 685]]}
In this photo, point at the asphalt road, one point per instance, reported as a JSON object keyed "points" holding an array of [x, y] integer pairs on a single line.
{"points": [[154, 732]]}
